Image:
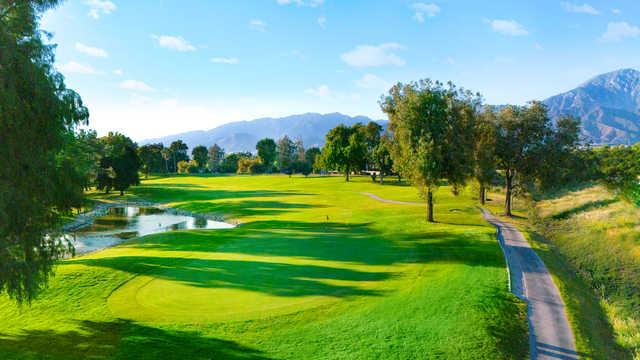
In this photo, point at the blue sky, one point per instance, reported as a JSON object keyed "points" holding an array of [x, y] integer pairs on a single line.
{"points": [[155, 67]]}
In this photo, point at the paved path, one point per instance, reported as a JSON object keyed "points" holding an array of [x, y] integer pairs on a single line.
{"points": [[550, 335]]}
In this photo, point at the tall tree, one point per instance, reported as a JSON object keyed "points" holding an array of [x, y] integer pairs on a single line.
{"points": [[527, 146], [37, 112], [267, 152], [177, 152], [151, 158], [382, 157], [345, 148], [485, 152], [311, 155], [299, 150], [216, 155], [120, 162], [200, 155], [286, 153], [372, 133], [432, 127]]}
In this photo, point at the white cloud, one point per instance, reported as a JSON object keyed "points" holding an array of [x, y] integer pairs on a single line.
{"points": [[136, 85], [73, 67], [171, 102], [99, 7], [616, 11], [322, 21], [91, 51], [580, 9], [320, 91], [258, 25], [372, 82], [424, 9], [449, 60], [507, 27], [372, 55], [137, 99], [310, 3], [225, 60], [618, 31], [538, 47], [176, 43], [118, 72]]}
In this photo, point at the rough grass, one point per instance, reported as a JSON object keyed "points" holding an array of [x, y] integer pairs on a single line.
{"points": [[588, 238], [315, 270]]}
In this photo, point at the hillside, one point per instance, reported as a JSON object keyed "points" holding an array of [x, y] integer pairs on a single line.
{"points": [[243, 135], [608, 105]]}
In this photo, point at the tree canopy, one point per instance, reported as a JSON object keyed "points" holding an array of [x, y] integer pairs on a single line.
{"points": [[345, 149], [38, 113], [267, 152]]}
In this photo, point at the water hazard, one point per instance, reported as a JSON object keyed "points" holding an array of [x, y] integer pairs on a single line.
{"points": [[122, 223]]}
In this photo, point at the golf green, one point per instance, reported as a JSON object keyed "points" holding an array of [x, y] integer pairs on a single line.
{"points": [[315, 269]]}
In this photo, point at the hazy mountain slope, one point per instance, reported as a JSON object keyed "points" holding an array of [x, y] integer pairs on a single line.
{"points": [[243, 135], [608, 105]]}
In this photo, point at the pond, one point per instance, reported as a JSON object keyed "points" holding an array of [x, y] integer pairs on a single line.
{"points": [[126, 222]]}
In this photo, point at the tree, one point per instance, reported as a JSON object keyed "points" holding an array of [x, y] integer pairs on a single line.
{"points": [[432, 127], [485, 149], [183, 167], [267, 152], [372, 138], [200, 155], [216, 155], [120, 163], [285, 152], [529, 150], [37, 113], [152, 158], [619, 166], [299, 150], [177, 152], [345, 148], [229, 164], [311, 155], [382, 157]]}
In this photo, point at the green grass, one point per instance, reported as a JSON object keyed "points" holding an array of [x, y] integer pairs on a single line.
{"points": [[315, 270], [588, 239]]}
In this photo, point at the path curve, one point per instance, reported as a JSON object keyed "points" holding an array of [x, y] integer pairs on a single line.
{"points": [[550, 335], [376, 197]]}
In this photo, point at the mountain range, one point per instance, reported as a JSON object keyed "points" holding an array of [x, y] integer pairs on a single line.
{"points": [[608, 105]]}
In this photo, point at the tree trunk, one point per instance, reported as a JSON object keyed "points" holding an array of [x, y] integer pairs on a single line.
{"points": [[507, 198], [429, 206], [483, 194], [346, 173], [121, 192], [381, 178]]}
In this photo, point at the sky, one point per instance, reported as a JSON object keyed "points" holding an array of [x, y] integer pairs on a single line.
{"points": [[149, 68]]}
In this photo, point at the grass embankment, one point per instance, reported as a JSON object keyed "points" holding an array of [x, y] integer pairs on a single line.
{"points": [[588, 238], [315, 270]]}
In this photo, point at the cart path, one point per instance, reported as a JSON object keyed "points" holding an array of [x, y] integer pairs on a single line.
{"points": [[550, 335]]}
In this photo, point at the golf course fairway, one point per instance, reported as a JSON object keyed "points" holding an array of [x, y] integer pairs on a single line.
{"points": [[314, 270]]}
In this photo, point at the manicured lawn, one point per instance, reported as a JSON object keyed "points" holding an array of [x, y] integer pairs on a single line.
{"points": [[315, 270]]}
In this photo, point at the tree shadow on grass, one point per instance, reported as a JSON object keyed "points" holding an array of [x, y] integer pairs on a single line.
{"points": [[583, 208], [120, 339], [281, 279], [244, 208], [183, 192]]}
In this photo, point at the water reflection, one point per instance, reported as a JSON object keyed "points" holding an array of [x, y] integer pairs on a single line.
{"points": [[126, 222]]}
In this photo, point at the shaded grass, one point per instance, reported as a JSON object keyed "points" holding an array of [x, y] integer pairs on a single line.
{"points": [[315, 270]]}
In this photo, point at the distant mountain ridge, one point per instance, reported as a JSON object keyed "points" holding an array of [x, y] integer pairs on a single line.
{"points": [[243, 135], [608, 106]]}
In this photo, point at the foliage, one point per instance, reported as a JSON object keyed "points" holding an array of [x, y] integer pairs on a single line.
{"points": [[484, 152], [216, 155], [37, 115], [432, 127], [151, 158], [345, 149], [382, 157], [200, 155], [529, 150], [619, 166], [177, 152], [286, 152], [183, 167], [120, 163], [267, 152], [250, 165]]}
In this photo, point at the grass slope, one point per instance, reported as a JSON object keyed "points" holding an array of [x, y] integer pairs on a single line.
{"points": [[315, 270]]}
